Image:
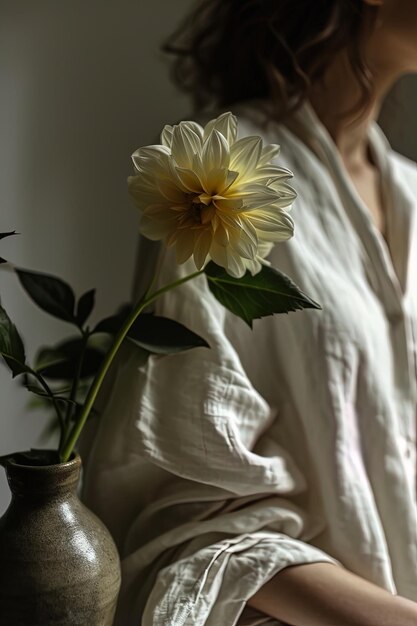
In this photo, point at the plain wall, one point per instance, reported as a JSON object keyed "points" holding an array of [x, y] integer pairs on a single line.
{"points": [[398, 117], [82, 86]]}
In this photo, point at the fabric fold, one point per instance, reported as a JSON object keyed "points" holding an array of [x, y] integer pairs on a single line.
{"points": [[290, 443]]}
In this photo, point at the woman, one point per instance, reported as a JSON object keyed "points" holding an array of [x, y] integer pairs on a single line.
{"points": [[272, 479]]}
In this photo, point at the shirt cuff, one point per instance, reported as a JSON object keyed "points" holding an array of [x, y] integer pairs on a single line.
{"points": [[211, 586]]}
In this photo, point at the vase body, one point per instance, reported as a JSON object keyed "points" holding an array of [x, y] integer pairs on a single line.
{"points": [[58, 563]]}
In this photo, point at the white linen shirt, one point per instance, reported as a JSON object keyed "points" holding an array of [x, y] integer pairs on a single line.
{"points": [[292, 443]]}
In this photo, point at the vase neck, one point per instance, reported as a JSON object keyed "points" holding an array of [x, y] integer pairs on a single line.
{"points": [[25, 480]]}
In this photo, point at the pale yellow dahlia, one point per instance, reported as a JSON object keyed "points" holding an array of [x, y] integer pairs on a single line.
{"points": [[212, 196]]}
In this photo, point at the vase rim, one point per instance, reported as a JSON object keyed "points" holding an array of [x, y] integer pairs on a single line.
{"points": [[35, 480], [73, 462]]}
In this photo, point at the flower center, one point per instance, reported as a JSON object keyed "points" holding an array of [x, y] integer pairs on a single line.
{"points": [[202, 209], [196, 210]]}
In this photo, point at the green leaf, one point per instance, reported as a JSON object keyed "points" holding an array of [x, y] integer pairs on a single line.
{"points": [[114, 323], [60, 363], [253, 297], [152, 333], [160, 335], [85, 306], [51, 294], [2, 236], [11, 345]]}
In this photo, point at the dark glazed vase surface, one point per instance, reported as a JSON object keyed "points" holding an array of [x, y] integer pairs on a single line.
{"points": [[58, 563]]}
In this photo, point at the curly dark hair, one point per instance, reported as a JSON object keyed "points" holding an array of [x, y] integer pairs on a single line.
{"points": [[232, 50]]}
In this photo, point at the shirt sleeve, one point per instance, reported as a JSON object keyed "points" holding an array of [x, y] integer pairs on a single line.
{"points": [[198, 418], [199, 415], [211, 586]]}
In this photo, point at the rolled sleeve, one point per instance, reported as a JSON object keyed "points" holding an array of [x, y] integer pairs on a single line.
{"points": [[212, 586]]}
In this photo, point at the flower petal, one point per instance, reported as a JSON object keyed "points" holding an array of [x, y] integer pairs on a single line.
{"points": [[226, 124], [264, 249], [243, 246], [230, 179], [235, 264], [273, 225], [243, 236], [184, 245], [216, 180], [189, 179], [254, 266], [221, 235], [244, 155], [160, 210], [200, 171], [151, 157], [142, 192], [215, 154], [202, 248], [171, 191], [250, 231], [196, 128], [228, 204], [185, 144], [255, 196], [224, 257], [268, 153], [286, 192], [156, 229], [166, 136], [262, 174]]}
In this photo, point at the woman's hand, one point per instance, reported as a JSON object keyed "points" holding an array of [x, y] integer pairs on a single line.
{"points": [[323, 594]]}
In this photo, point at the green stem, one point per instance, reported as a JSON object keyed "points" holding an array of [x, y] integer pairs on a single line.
{"points": [[95, 387], [74, 388], [157, 272]]}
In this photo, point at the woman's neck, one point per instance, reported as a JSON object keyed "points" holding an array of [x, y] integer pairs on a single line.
{"points": [[335, 101]]}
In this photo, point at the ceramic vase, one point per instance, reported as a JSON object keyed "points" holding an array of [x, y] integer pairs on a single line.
{"points": [[58, 563]]}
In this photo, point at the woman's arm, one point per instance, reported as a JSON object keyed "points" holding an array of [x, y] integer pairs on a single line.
{"points": [[322, 594]]}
